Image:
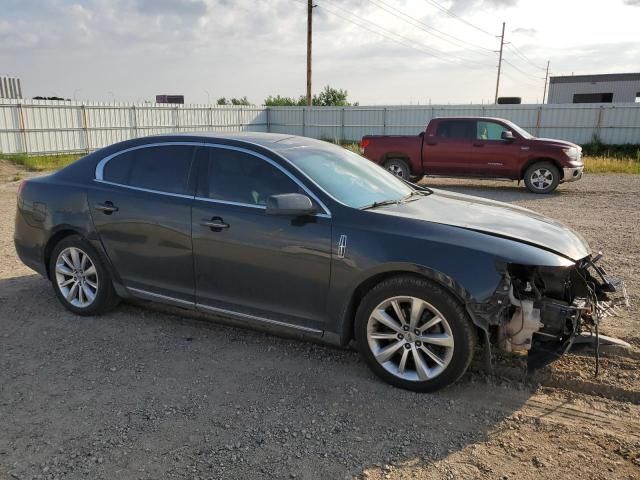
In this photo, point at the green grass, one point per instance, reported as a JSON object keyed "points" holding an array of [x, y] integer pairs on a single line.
{"points": [[39, 163], [611, 165]]}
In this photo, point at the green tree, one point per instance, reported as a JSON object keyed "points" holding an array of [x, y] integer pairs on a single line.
{"points": [[233, 101], [329, 97]]}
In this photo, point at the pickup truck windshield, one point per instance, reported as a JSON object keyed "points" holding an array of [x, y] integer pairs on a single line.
{"points": [[521, 131], [348, 177]]}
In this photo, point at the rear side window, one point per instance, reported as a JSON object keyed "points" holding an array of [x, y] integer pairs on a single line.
{"points": [[456, 129], [164, 168], [234, 176]]}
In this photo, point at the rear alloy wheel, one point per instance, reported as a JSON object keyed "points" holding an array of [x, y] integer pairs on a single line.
{"points": [[79, 278], [399, 168], [542, 177], [414, 335]]}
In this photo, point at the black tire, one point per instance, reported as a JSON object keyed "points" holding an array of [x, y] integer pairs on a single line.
{"points": [[459, 324], [542, 177], [399, 168], [105, 296]]}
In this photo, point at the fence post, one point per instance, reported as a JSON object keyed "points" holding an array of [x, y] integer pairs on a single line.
{"points": [[384, 121], [85, 127], [539, 120], [596, 135], [342, 125], [268, 113], [304, 120], [210, 117], [177, 122], [21, 126], [134, 121], [240, 119]]}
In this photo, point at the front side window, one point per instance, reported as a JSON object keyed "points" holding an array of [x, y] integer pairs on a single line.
{"points": [[456, 129], [489, 130], [349, 178], [235, 176], [164, 168]]}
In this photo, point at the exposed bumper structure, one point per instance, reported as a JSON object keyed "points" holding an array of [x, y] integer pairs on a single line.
{"points": [[572, 174]]}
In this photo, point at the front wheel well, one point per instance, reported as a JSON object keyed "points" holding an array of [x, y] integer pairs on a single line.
{"points": [[52, 242], [361, 290], [555, 163]]}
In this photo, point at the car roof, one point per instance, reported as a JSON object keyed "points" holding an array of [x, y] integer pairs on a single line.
{"points": [[272, 141], [470, 117]]}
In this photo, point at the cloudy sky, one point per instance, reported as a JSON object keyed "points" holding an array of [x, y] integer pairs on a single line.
{"points": [[381, 51]]}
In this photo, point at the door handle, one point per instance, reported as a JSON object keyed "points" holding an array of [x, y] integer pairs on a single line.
{"points": [[215, 223], [478, 144], [107, 207]]}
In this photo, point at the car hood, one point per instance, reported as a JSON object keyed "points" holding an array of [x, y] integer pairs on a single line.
{"points": [[494, 218], [554, 142]]}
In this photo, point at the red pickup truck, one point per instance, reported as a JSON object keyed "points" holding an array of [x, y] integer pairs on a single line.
{"points": [[477, 147]]}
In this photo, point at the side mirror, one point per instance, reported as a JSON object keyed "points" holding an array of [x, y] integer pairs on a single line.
{"points": [[507, 135], [293, 204]]}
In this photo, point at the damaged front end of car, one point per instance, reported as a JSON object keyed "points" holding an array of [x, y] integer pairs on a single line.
{"points": [[549, 304]]}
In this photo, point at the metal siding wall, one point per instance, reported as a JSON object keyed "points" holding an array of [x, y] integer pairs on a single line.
{"points": [[623, 91], [34, 126]]}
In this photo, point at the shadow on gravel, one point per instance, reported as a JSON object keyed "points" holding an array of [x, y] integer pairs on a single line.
{"points": [[155, 392], [499, 191]]}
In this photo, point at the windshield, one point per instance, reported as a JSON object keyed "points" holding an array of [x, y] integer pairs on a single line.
{"points": [[521, 131], [346, 176]]}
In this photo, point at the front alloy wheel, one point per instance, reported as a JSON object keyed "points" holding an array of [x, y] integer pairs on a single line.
{"points": [[414, 334], [410, 338], [542, 177]]}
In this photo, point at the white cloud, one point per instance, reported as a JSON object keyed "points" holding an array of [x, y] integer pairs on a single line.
{"points": [[139, 48]]}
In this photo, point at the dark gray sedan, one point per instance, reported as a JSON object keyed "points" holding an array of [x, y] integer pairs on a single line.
{"points": [[298, 234]]}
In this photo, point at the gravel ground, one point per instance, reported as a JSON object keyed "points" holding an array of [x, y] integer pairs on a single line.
{"points": [[150, 392]]}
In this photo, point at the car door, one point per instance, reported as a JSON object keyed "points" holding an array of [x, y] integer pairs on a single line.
{"points": [[447, 151], [273, 268], [493, 156], [141, 208]]}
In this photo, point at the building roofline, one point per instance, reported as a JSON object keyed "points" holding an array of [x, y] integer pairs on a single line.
{"points": [[605, 77]]}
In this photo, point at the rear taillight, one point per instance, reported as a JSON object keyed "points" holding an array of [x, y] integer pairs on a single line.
{"points": [[364, 144]]}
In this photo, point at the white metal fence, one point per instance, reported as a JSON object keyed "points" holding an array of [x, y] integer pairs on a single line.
{"points": [[53, 127]]}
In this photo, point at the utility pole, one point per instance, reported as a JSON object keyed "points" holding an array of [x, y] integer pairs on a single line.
{"points": [[499, 63], [546, 78], [309, 37]]}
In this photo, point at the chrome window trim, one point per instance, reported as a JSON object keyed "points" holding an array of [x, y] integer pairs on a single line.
{"points": [[231, 313], [148, 190], [99, 173]]}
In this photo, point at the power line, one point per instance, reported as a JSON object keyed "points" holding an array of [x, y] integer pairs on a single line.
{"points": [[453, 15], [445, 56], [518, 69], [428, 28], [519, 53]]}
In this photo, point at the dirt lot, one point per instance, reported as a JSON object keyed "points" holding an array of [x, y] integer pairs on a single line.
{"points": [[150, 393]]}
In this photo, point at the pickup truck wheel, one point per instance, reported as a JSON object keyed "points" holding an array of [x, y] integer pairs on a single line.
{"points": [[413, 334], [542, 177], [398, 167]]}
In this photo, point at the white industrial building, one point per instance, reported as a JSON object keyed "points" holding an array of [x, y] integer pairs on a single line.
{"points": [[606, 88]]}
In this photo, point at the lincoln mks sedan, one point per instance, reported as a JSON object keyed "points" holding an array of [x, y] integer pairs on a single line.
{"points": [[304, 236]]}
